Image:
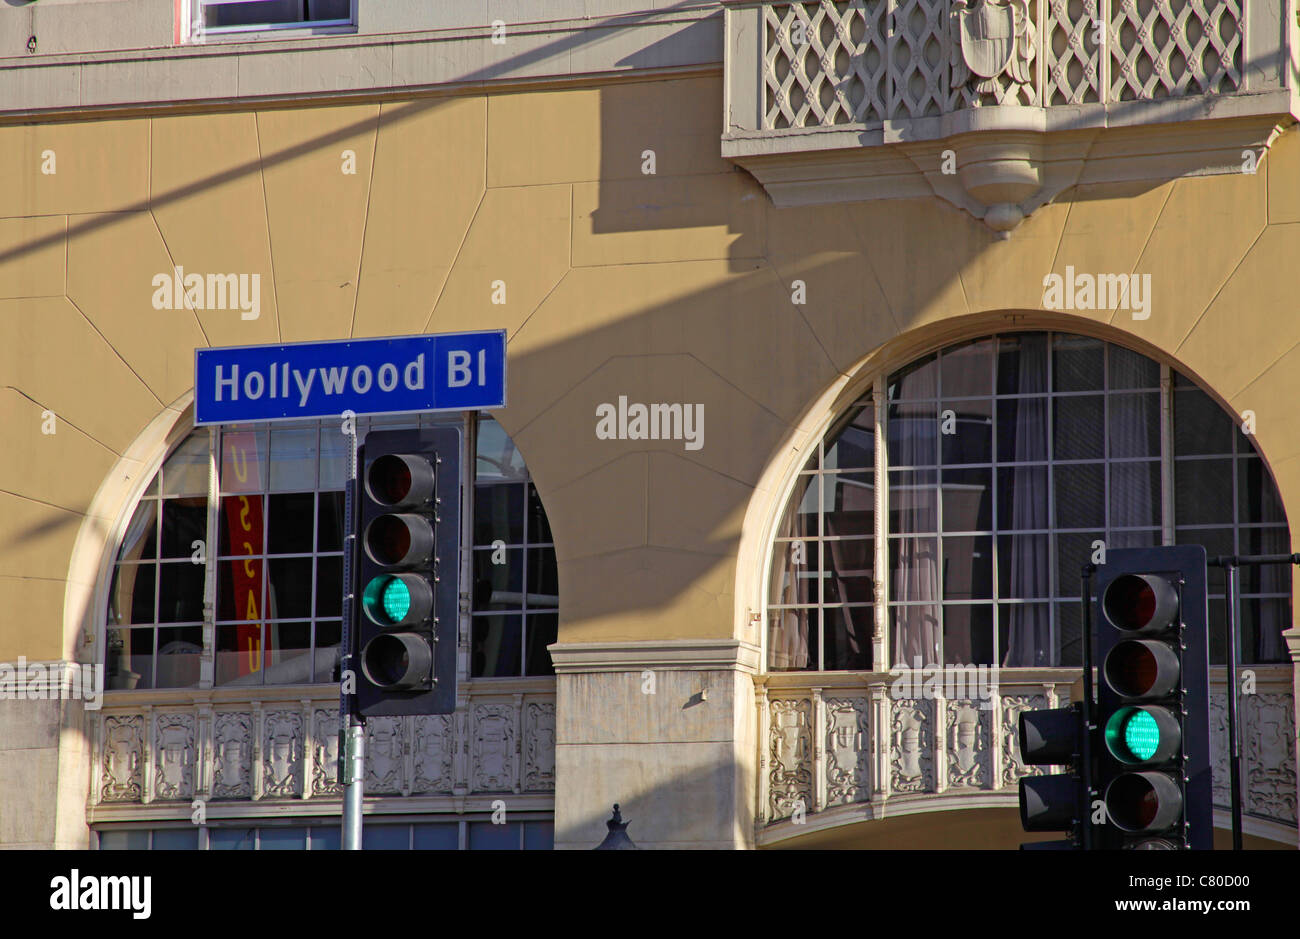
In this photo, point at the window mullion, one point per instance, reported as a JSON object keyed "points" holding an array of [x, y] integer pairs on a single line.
{"points": [[208, 656], [880, 658]]}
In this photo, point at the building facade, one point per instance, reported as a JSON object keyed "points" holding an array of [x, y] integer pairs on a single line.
{"points": [[841, 334]]}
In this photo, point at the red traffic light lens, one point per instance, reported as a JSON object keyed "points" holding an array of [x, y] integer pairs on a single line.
{"points": [[388, 539], [1145, 603], [1144, 801], [1141, 668]]}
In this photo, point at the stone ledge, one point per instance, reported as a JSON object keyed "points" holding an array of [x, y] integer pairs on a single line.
{"points": [[686, 654]]}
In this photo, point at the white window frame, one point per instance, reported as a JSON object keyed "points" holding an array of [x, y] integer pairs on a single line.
{"points": [[194, 32]]}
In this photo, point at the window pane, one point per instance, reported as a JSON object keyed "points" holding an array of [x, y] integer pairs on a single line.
{"points": [[329, 586], [232, 839], [386, 837], [847, 637], [967, 568], [1022, 430], [1134, 494], [241, 525], [326, 838], [1069, 619], [1266, 578], [293, 458], [282, 839], [329, 535], [1200, 425], [851, 499], [542, 631], [1258, 498], [543, 586], [437, 837], [140, 543], [176, 839], [242, 454], [129, 659], [1079, 428], [966, 431], [179, 652], [1134, 425], [495, 646], [184, 521], [1022, 364], [853, 445], [498, 459], [915, 634], [334, 446], [918, 381], [186, 471], [484, 836], [792, 639], [180, 592], [1080, 495], [1024, 567], [290, 528], [967, 370], [131, 595], [1022, 497], [1132, 369], [1073, 550], [913, 501], [539, 836], [967, 500], [913, 434], [239, 656], [289, 594], [130, 840], [498, 586], [1262, 622], [1024, 635], [498, 514], [849, 576], [1199, 490], [796, 566], [539, 527], [1076, 363], [968, 634]]}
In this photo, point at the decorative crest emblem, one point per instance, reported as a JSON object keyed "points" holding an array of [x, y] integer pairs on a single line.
{"points": [[995, 36]]}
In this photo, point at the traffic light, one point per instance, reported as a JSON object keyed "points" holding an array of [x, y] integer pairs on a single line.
{"points": [[1152, 718], [405, 612], [1056, 802]]}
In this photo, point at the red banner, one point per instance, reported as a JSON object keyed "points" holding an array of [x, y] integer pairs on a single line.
{"points": [[241, 472]]}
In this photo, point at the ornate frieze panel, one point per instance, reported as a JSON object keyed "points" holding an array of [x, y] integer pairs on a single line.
{"points": [[385, 754], [325, 760], [1013, 765], [492, 751], [174, 756], [122, 779], [539, 746], [232, 744], [790, 756], [848, 751], [1269, 756], [1221, 792], [912, 736], [434, 747], [970, 759], [282, 752]]}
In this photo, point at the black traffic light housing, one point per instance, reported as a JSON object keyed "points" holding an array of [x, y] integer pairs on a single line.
{"points": [[405, 615], [1152, 740], [1056, 802]]}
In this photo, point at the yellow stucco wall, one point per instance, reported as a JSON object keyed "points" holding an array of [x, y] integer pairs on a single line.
{"points": [[672, 287]]}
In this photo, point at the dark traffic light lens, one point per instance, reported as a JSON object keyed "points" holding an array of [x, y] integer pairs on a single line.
{"points": [[1140, 602], [397, 661], [389, 479], [1141, 668], [388, 539], [1143, 801]]}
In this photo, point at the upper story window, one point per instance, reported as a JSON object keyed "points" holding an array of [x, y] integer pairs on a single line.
{"points": [[275, 575], [1006, 459], [241, 16]]}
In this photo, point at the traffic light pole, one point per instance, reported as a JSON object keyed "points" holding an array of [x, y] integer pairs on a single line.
{"points": [[1086, 768], [352, 752], [1230, 564]]}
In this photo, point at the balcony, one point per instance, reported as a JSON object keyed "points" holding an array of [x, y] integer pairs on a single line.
{"points": [[998, 106], [840, 747]]}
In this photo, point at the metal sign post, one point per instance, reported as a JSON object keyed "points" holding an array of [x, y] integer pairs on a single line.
{"points": [[352, 750]]}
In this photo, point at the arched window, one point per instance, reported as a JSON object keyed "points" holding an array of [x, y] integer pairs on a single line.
{"points": [[276, 575], [1007, 458]]}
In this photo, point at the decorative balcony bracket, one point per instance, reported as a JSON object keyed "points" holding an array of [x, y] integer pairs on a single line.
{"points": [[998, 106]]}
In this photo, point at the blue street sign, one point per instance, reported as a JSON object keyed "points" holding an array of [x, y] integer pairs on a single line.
{"points": [[396, 375]]}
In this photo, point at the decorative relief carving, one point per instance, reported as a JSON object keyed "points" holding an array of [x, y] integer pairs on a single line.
{"points": [[174, 756], [1268, 754], [385, 754], [1172, 48], [848, 751], [969, 756], [1220, 788], [282, 754], [992, 53], [790, 749], [232, 773], [325, 760], [912, 759], [123, 746], [493, 748], [1013, 765], [539, 746], [433, 749]]}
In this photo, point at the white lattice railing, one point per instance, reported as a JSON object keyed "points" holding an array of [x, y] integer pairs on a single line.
{"points": [[844, 738], [152, 749], [825, 63]]}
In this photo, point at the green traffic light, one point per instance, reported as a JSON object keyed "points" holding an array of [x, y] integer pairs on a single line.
{"points": [[397, 600], [1141, 735]]}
